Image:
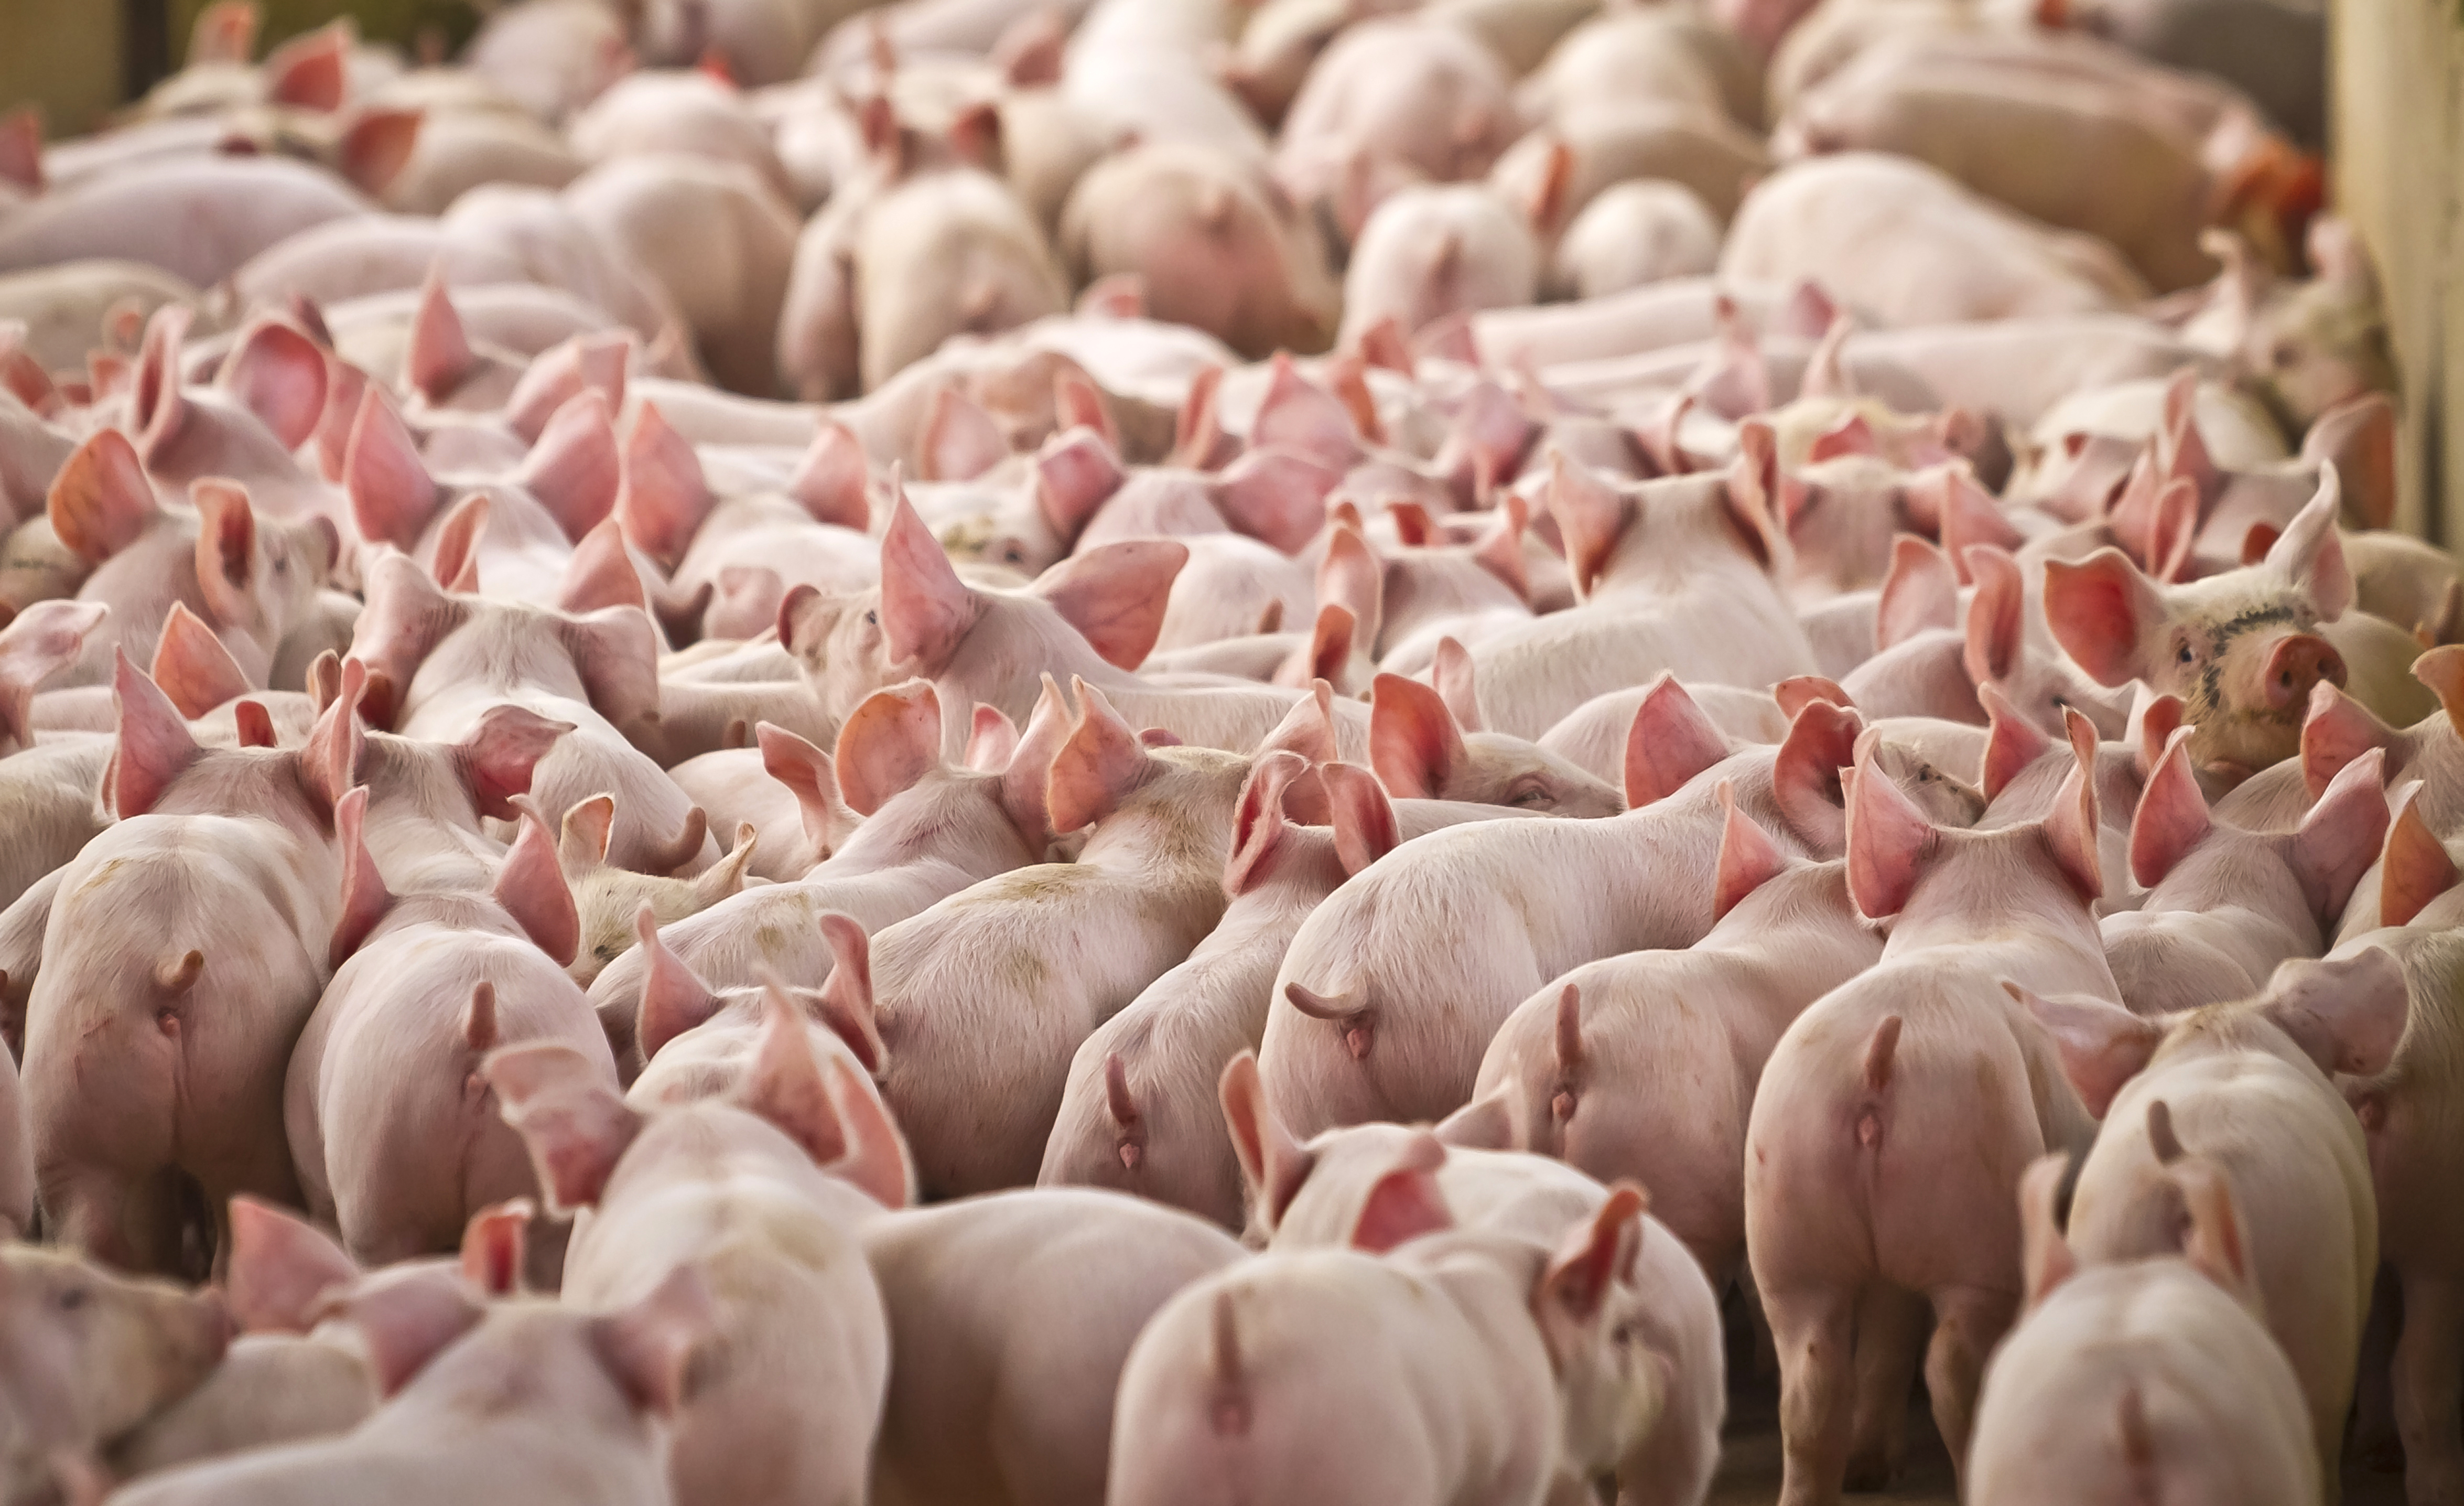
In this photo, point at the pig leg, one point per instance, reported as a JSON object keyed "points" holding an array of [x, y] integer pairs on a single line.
{"points": [[1815, 1330], [2429, 1390], [1890, 1328], [1968, 1322]]}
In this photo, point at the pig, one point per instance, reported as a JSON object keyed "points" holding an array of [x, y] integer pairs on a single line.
{"points": [[1392, 97], [1216, 1395], [2126, 1375], [1147, 886], [655, 112], [1422, 750], [1631, 235], [1215, 243], [1428, 251], [2245, 1089], [85, 1356], [1588, 1066], [740, 1194], [597, 1388], [458, 150], [2225, 907], [606, 899], [1015, 1311], [2242, 648], [200, 220], [1357, 1032], [1857, 1217], [67, 309]]}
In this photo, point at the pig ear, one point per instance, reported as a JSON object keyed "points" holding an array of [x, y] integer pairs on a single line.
{"points": [[1890, 842], [2070, 826], [2442, 669], [674, 1000], [1669, 741], [1076, 473], [583, 836], [455, 563], [1752, 494], [1486, 1124], [600, 573], [1097, 768], [1077, 403], [226, 552], [1458, 684], [1920, 594], [2340, 837], [1117, 595], [664, 496], [100, 500], [1997, 616], [616, 652], [1591, 515], [2340, 729], [846, 1001], [280, 1268], [959, 440], [2309, 553], [649, 1347], [1307, 729], [1406, 1202], [364, 900], [1749, 858], [190, 664], [1274, 1164], [889, 742], [833, 481], [393, 496], [2416, 867], [224, 33], [2100, 610], [568, 1112], [1352, 576], [575, 468], [1969, 518], [2346, 1013], [278, 374], [44, 639], [1414, 743], [436, 358], [155, 400], [1024, 779], [991, 741], [827, 819], [925, 611], [1276, 497], [2011, 743], [594, 363], [2046, 1260], [2216, 1243], [1500, 550], [785, 1086], [498, 760], [1258, 824], [407, 1322], [2102, 1045], [1363, 818], [531, 887], [1806, 784], [2173, 814], [154, 746], [1327, 650], [1295, 415], [877, 1161], [1574, 1293], [309, 73], [2358, 438], [496, 1247], [377, 146]]}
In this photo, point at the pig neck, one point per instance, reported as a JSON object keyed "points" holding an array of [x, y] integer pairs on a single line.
{"points": [[1683, 547], [478, 660], [1177, 826], [954, 820], [1993, 890], [1266, 918], [465, 914], [2234, 869]]}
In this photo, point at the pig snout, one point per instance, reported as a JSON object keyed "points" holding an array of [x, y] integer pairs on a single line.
{"points": [[2297, 662]]}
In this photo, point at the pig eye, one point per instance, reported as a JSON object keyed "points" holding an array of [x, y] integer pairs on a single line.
{"points": [[2284, 354], [1529, 795], [2185, 654], [872, 619], [71, 1299]]}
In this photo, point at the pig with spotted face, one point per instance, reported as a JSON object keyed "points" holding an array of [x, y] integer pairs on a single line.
{"points": [[2241, 649], [2247, 1088]]}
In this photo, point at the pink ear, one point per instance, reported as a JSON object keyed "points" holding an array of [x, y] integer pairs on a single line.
{"points": [[1921, 594], [2346, 1013], [496, 1247], [664, 497], [406, 1321], [2012, 742], [44, 639], [1806, 779], [329, 764], [1405, 1203], [1361, 815], [154, 746], [583, 835], [2340, 838], [1500, 550], [1276, 497], [959, 440], [278, 374], [1967, 517], [616, 652], [1075, 473], [531, 887], [2339, 729], [1890, 842], [2071, 825], [1257, 822], [2309, 553], [376, 146], [280, 1268], [190, 664], [674, 1000], [21, 147], [308, 72], [889, 742], [574, 468], [155, 400], [649, 1347], [1097, 768], [2416, 867], [498, 759], [785, 1086], [1594, 1254], [1307, 729], [393, 496], [101, 502], [1078, 404], [925, 611], [568, 1111], [2101, 611], [2102, 1045], [1414, 743], [1298, 417], [876, 1161], [1458, 684], [1024, 777], [1589, 516], [2173, 532], [600, 573], [1997, 616], [1351, 575], [1748, 857], [833, 480], [437, 358], [365, 900], [1851, 435], [1117, 595], [1326, 654], [592, 363], [991, 741], [225, 550], [2173, 814], [1198, 429], [1274, 1164], [1669, 742], [2358, 438], [2045, 1260]]}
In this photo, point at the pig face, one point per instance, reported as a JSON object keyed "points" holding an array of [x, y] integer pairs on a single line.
{"points": [[85, 1355], [2240, 648], [1422, 750]]}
